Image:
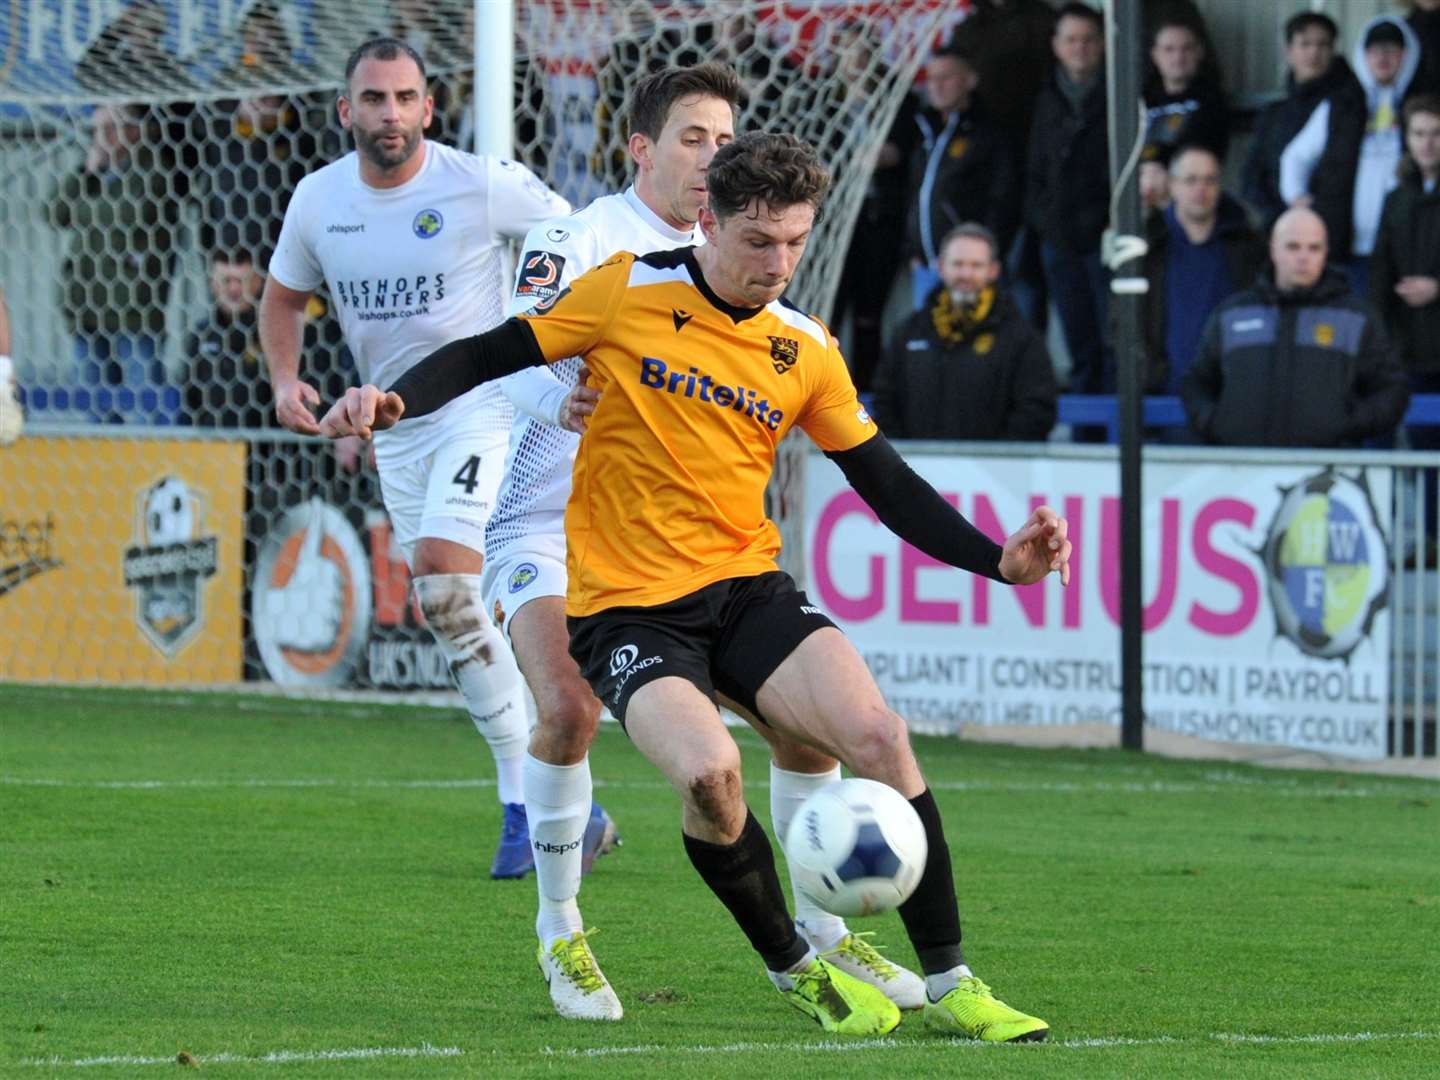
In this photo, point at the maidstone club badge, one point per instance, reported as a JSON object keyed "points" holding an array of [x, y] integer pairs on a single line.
{"points": [[167, 562], [783, 353]]}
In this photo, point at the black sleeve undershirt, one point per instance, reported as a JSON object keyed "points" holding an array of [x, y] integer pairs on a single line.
{"points": [[913, 510], [462, 365]]}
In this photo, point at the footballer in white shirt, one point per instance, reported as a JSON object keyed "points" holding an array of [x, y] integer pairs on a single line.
{"points": [[410, 238], [678, 118]]}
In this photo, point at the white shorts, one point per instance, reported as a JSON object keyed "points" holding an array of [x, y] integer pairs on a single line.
{"points": [[523, 571], [448, 494]]}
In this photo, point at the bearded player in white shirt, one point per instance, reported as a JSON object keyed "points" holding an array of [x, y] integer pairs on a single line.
{"points": [[677, 119], [410, 237]]}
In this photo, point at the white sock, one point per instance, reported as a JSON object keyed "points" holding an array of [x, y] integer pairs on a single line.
{"points": [[787, 791], [483, 667], [557, 803], [937, 986], [782, 979]]}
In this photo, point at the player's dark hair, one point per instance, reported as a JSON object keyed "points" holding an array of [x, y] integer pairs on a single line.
{"points": [[650, 101], [778, 170], [381, 48], [1077, 10], [1305, 20]]}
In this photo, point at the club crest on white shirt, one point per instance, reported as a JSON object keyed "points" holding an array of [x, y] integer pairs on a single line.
{"points": [[428, 223]]}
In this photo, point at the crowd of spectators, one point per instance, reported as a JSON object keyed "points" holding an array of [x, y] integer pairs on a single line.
{"points": [[986, 207], [1301, 309]]}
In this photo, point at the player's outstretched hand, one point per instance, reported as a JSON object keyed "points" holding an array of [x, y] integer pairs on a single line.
{"points": [[579, 404], [295, 404], [1037, 548], [363, 411]]}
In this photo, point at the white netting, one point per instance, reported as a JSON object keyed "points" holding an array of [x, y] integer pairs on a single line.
{"points": [[148, 149]]}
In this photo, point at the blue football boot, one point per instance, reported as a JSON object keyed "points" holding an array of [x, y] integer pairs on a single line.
{"points": [[513, 858], [601, 837]]}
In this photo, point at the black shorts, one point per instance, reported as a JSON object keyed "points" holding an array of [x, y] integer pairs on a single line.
{"points": [[729, 636]]}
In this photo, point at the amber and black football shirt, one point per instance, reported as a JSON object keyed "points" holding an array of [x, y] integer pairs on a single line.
{"points": [[669, 485]]}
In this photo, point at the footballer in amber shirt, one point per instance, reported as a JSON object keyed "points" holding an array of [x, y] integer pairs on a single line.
{"points": [[669, 491]]}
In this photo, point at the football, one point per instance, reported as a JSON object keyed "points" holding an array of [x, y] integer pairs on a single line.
{"points": [[856, 847], [169, 513]]}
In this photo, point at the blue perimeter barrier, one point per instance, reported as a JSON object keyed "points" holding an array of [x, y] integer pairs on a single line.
{"points": [[1103, 410]]}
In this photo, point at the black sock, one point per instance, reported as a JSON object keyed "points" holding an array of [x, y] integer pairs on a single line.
{"points": [[931, 915], [743, 876]]}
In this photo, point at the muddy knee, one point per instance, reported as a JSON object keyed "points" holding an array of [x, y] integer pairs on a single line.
{"points": [[715, 795]]}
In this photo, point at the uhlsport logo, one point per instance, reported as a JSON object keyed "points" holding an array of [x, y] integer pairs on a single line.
{"points": [[310, 606], [165, 564], [524, 574], [1326, 564], [27, 550], [428, 223]]}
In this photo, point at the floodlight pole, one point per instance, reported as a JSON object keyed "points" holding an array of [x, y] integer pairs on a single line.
{"points": [[1124, 64], [494, 77]]}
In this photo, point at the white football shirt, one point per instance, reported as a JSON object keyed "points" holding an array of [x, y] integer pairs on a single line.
{"points": [[412, 268], [537, 472]]}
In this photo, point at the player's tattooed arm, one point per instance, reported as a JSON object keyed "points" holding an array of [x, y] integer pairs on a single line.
{"points": [[914, 511]]}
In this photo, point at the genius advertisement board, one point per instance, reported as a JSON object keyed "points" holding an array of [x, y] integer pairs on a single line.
{"points": [[1266, 601]]}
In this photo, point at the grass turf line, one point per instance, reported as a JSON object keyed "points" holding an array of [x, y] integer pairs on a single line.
{"points": [[1120, 897]]}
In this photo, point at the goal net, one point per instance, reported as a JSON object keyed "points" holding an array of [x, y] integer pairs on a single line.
{"points": [[156, 526]]}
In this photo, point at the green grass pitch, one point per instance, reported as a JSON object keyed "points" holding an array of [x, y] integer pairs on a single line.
{"points": [[282, 888]]}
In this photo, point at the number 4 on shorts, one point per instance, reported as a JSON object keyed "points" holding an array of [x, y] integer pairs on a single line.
{"points": [[466, 477]]}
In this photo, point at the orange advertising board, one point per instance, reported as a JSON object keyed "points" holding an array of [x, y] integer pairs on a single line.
{"points": [[120, 560]]}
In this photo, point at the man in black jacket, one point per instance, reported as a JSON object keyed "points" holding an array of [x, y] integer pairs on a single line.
{"points": [[967, 365], [962, 168], [1307, 145], [1202, 250], [1405, 270], [1067, 197], [226, 383], [1424, 19], [1184, 106], [1297, 360]]}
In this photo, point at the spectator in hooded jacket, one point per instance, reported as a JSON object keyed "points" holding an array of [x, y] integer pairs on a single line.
{"points": [[1297, 360], [961, 170], [1307, 144], [1405, 267], [1067, 196], [1183, 105], [967, 365], [1202, 250], [1386, 57]]}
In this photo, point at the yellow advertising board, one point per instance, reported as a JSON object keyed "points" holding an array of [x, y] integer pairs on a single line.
{"points": [[120, 560]]}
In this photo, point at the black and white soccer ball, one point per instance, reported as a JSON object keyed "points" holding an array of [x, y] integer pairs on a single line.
{"points": [[856, 847], [169, 513]]}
